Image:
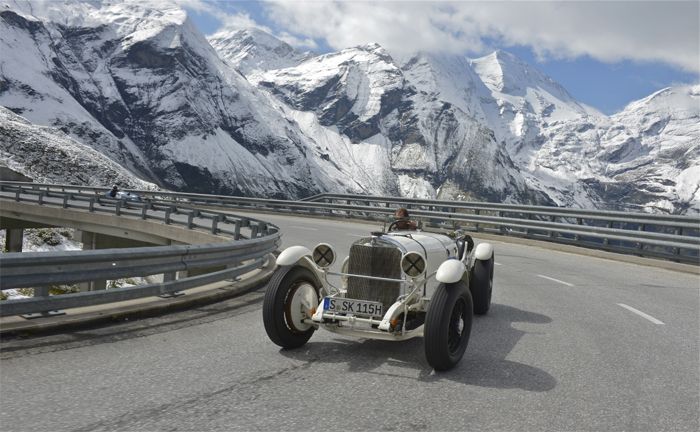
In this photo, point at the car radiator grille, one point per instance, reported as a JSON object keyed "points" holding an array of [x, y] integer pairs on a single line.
{"points": [[379, 261]]}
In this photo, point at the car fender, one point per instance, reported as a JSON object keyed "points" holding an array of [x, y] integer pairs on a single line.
{"points": [[484, 251], [292, 255], [450, 271]]}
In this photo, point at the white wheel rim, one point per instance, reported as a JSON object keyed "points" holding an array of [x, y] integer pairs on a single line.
{"points": [[302, 302]]}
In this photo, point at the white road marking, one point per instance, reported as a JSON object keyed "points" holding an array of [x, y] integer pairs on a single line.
{"points": [[641, 314], [497, 263], [555, 280], [303, 228]]}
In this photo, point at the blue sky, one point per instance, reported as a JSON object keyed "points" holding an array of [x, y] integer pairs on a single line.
{"points": [[606, 54]]}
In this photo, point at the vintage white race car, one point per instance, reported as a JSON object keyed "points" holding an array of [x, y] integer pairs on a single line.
{"points": [[396, 285]]}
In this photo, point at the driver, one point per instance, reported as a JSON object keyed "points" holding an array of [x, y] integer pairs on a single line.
{"points": [[402, 221]]}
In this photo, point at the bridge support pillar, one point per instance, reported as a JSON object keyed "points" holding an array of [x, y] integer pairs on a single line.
{"points": [[13, 239], [89, 241]]}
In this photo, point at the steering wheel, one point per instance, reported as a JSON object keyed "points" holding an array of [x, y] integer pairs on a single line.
{"points": [[392, 226]]}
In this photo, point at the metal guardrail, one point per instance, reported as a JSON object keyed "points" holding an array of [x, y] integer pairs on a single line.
{"points": [[251, 242], [662, 236], [653, 235], [671, 237]]}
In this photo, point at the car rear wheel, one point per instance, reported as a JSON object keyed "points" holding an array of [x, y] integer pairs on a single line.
{"points": [[291, 298], [481, 284], [448, 325]]}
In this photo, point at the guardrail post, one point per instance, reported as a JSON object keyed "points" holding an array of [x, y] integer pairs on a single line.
{"points": [[41, 198], [146, 205], [527, 230], [215, 224], [118, 208], [42, 292], [254, 230], [237, 230], [552, 218], [606, 241], [91, 205], [65, 200], [677, 251], [640, 245], [476, 225], [579, 221], [169, 277], [190, 218], [17, 194], [166, 217]]}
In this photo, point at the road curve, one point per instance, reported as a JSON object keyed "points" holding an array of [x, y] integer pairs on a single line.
{"points": [[571, 343]]}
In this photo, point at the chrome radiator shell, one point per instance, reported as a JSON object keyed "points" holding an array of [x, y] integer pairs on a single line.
{"points": [[376, 258]]}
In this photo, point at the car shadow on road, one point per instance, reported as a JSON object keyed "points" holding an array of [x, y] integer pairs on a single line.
{"points": [[484, 364]]}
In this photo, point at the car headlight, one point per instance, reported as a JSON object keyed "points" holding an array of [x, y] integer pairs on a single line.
{"points": [[323, 255], [413, 264]]}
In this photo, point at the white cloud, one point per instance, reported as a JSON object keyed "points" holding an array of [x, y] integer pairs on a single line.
{"points": [[241, 21], [609, 31], [298, 42], [229, 21]]}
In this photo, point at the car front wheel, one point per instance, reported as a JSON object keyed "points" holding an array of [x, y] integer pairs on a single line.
{"points": [[290, 300], [448, 325]]}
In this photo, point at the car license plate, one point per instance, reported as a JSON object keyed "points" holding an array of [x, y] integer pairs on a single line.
{"points": [[354, 307]]}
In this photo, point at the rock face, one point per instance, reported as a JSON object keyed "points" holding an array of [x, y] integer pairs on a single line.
{"points": [[46, 155], [245, 113]]}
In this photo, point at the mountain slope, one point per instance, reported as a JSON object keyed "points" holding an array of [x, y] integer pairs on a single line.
{"points": [[44, 154]]}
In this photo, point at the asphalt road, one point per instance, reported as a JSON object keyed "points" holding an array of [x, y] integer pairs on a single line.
{"points": [[571, 343]]}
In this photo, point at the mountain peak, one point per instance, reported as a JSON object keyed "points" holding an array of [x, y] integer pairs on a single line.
{"points": [[254, 50], [250, 36], [372, 48], [679, 101], [504, 57], [506, 73]]}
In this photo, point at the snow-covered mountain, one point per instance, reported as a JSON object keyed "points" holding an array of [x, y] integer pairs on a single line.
{"points": [[138, 82], [430, 146], [655, 158], [245, 113], [253, 50], [47, 155]]}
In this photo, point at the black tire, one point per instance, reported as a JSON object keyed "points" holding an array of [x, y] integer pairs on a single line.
{"points": [[481, 284], [279, 292], [444, 342]]}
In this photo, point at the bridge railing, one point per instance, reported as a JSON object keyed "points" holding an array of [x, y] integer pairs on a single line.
{"points": [[251, 241]]}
